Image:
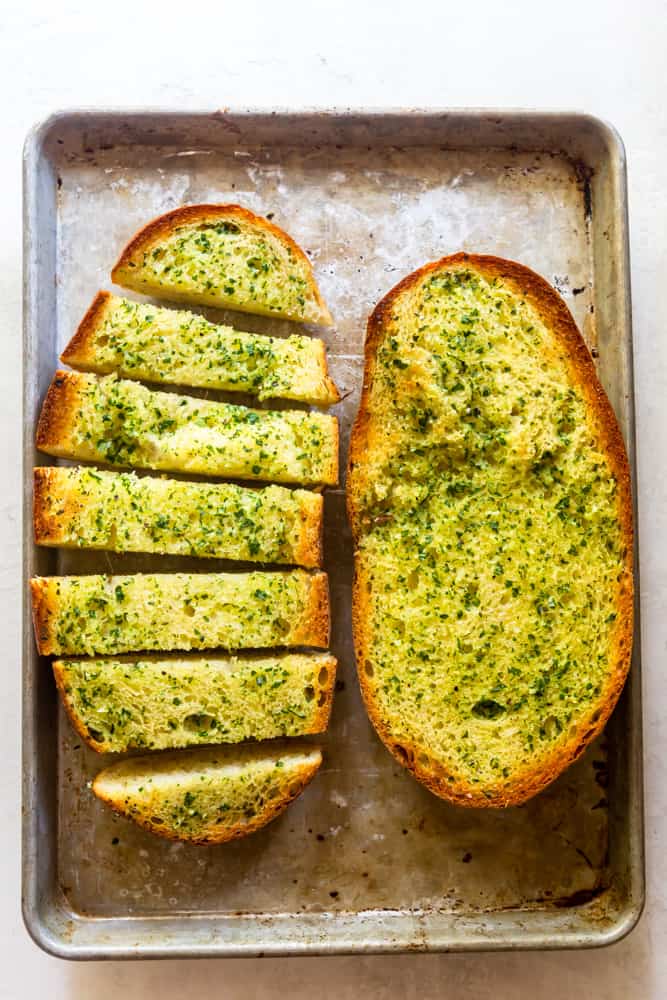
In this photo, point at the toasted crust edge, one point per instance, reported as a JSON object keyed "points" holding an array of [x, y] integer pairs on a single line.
{"points": [[163, 224], [314, 624], [293, 788], [319, 722], [330, 393], [331, 474], [309, 549], [557, 316], [46, 530], [58, 414], [79, 352], [43, 609]]}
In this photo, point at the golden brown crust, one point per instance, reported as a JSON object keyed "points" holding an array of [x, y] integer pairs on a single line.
{"points": [[45, 525], [165, 224], [314, 624], [271, 811], [80, 352], [330, 393], [58, 413], [43, 610], [557, 317], [308, 551]]}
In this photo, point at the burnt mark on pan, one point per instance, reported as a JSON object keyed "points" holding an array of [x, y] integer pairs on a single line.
{"points": [[584, 175]]}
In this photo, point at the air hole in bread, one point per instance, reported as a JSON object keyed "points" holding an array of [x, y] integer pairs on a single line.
{"points": [[323, 676], [188, 610], [322, 699], [368, 668], [488, 708], [157, 820], [552, 727], [309, 693], [102, 340], [199, 722]]}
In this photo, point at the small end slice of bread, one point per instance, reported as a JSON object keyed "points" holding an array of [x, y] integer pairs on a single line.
{"points": [[223, 256], [138, 340], [208, 796]]}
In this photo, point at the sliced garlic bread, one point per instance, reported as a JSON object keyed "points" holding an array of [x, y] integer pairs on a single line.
{"points": [[83, 507], [489, 496], [106, 419], [160, 704], [224, 256], [208, 796], [142, 341], [75, 615]]}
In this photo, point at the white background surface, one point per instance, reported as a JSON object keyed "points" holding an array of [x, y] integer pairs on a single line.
{"points": [[603, 56]]}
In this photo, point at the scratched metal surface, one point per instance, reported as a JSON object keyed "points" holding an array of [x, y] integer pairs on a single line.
{"points": [[366, 859]]}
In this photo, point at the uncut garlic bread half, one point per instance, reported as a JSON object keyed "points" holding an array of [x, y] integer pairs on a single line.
{"points": [[142, 341], [208, 796], [159, 703], [106, 419], [223, 256], [489, 496], [82, 507], [85, 615]]}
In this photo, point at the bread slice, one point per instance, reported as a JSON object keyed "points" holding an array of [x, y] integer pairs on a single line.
{"points": [[83, 507], [106, 419], [223, 256], [75, 615], [208, 796], [142, 341], [489, 496], [155, 703]]}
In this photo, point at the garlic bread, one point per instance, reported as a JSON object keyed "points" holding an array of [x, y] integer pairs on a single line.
{"points": [[208, 796], [119, 422], [158, 703], [223, 256], [141, 341], [83, 507], [489, 496], [88, 615]]}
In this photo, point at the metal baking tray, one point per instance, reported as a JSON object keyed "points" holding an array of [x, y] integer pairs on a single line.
{"points": [[367, 860]]}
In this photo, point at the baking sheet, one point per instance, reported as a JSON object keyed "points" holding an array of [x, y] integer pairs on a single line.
{"points": [[366, 859]]}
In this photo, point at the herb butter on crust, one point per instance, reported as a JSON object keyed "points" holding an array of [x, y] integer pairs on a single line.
{"points": [[489, 496]]}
